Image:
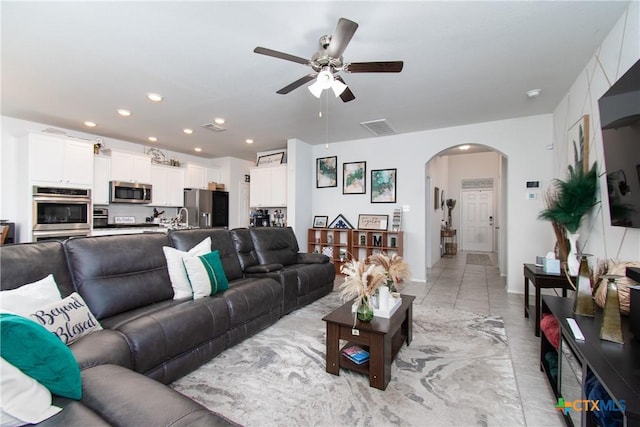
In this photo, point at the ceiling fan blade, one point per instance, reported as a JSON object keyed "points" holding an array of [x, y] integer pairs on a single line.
{"points": [[281, 55], [341, 37], [347, 95], [374, 67], [288, 88]]}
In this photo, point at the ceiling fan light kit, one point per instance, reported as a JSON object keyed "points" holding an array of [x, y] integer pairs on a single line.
{"points": [[328, 61]]}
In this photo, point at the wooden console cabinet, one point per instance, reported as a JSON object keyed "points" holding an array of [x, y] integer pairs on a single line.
{"points": [[333, 242], [616, 366]]}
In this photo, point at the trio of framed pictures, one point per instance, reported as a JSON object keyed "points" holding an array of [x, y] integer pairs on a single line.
{"points": [[354, 179]]}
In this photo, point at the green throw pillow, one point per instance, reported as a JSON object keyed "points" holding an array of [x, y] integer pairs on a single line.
{"points": [[206, 274], [40, 354]]}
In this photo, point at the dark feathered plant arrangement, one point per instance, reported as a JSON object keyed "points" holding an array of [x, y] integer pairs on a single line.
{"points": [[573, 198]]}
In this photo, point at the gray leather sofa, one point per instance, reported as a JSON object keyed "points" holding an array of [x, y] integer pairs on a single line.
{"points": [[147, 334]]}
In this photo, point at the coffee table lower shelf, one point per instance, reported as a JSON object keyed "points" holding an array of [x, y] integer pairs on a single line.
{"points": [[382, 338]]}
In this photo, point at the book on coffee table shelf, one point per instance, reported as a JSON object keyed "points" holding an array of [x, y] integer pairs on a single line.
{"points": [[356, 354]]}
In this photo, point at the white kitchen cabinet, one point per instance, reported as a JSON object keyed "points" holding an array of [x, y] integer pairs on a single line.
{"points": [[168, 186], [129, 167], [101, 177], [195, 176], [58, 160], [268, 187]]}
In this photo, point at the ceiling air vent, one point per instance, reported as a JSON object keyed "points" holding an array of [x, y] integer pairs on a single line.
{"points": [[54, 131], [379, 127], [214, 127]]}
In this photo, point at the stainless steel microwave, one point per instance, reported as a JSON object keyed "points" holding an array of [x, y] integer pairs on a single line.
{"points": [[129, 192]]}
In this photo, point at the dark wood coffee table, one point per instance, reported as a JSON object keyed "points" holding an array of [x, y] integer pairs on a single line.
{"points": [[382, 337]]}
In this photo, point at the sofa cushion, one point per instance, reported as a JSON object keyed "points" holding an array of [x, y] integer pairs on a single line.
{"points": [[220, 241], [275, 245], [69, 319], [177, 272], [28, 298], [39, 354], [251, 297], [24, 400], [125, 398], [105, 347], [115, 274], [165, 334], [206, 274], [244, 248], [50, 257], [74, 414]]}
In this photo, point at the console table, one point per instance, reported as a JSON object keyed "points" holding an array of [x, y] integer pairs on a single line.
{"points": [[616, 366], [542, 280]]}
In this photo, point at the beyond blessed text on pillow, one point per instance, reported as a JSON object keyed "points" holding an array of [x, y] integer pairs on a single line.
{"points": [[69, 319]]}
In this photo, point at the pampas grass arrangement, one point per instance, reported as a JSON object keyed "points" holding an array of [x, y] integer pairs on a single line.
{"points": [[362, 278]]}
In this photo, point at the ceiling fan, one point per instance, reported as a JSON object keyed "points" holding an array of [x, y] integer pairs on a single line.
{"points": [[328, 61]]}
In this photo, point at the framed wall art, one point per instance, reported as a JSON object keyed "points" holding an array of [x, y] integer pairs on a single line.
{"points": [[327, 172], [436, 198], [578, 143], [383, 186], [271, 159], [372, 222], [320, 221], [354, 178]]}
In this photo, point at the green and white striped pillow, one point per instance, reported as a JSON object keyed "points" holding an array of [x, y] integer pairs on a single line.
{"points": [[206, 274]]}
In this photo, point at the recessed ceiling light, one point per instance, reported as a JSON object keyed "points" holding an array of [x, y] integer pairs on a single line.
{"points": [[154, 97], [90, 124], [187, 131], [249, 141], [198, 149], [123, 112], [464, 147], [219, 120], [153, 139], [534, 93]]}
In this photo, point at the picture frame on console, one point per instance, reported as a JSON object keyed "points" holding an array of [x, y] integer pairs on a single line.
{"points": [[373, 222], [320, 221]]}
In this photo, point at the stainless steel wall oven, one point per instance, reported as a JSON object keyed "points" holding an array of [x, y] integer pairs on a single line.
{"points": [[59, 213]]}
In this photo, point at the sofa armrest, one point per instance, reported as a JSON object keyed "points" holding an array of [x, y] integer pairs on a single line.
{"points": [[307, 258], [288, 279], [263, 268]]}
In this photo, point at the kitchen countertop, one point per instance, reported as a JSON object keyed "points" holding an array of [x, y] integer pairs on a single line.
{"points": [[141, 224]]}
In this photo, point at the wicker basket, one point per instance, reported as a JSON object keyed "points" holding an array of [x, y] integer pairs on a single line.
{"points": [[623, 285]]}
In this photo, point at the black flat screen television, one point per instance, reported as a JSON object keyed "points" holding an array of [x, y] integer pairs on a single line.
{"points": [[620, 122]]}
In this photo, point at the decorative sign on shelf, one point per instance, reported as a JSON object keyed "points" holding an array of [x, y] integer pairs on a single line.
{"points": [[397, 219], [372, 222], [271, 159]]}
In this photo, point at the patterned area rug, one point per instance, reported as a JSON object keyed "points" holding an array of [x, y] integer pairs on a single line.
{"points": [[479, 259], [456, 372]]}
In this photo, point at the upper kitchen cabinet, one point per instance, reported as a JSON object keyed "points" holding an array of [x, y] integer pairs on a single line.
{"points": [[129, 167], [268, 187], [195, 176], [168, 186], [61, 161], [101, 177]]}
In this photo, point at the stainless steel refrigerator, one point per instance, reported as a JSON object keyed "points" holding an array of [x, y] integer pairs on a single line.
{"points": [[207, 208]]}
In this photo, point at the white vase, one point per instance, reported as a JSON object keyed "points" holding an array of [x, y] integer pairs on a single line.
{"points": [[573, 265]]}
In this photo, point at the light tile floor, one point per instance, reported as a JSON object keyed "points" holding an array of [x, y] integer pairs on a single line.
{"points": [[454, 284]]}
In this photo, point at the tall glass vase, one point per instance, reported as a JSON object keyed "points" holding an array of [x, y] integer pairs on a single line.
{"points": [[573, 265], [611, 328]]}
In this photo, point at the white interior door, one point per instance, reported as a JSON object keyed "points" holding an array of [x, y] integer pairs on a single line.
{"points": [[477, 220]]}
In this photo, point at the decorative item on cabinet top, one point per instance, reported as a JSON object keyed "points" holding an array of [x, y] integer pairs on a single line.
{"points": [[270, 159], [158, 157], [320, 221], [340, 222]]}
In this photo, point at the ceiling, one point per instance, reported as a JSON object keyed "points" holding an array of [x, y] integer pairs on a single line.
{"points": [[464, 62]]}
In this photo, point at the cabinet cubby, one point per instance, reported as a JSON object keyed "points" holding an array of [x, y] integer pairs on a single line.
{"points": [[369, 242], [333, 242]]}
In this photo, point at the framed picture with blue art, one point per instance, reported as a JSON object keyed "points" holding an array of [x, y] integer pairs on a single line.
{"points": [[340, 222], [354, 178], [383, 185], [327, 172]]}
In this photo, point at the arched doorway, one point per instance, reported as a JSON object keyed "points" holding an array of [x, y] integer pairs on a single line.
{"points": [[456, 174]]}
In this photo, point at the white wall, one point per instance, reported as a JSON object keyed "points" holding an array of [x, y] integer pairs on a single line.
{"points": [[520, 140], [619, 51], [299, 181], [438, 171]]}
